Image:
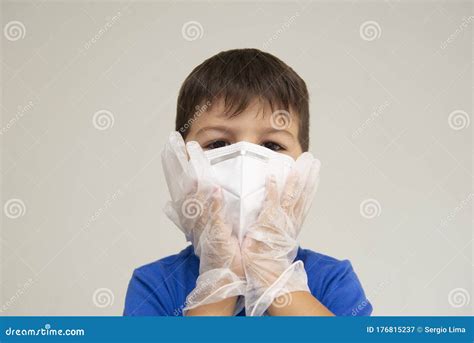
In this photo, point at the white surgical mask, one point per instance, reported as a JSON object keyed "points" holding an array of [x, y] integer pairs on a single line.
{"points": [[241, 169]]}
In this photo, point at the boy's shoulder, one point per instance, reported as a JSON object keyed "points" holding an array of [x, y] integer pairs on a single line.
{"points": [[335, 283], [175, 262], [313, 259]]}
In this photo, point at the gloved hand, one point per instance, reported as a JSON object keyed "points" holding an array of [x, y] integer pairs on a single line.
{"points": [[197, 209], [270, 245]]}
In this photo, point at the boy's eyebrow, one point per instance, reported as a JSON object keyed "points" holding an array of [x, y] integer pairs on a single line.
{"points": [[225, 129]]}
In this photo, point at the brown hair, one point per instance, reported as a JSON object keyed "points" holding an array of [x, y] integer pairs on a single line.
{"points": [[238, 76]]}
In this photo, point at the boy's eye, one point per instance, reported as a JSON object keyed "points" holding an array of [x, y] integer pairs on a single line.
{"points": [[216, 144], [273, 146]]}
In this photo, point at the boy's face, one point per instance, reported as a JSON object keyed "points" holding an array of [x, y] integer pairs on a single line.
{"points": [[214, 129]]}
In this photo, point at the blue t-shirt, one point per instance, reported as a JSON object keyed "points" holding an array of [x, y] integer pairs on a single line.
{"points": [[160, 288]]}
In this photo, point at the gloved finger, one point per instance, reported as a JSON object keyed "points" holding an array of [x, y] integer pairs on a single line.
{"points": [[269, 208], [303, 166], [312, 182], [176, 149], [290, 193], [200, 166], [216, 201], [194, 214], [198, 161], [295, 183], [220, 229], [175, 166], [271, 189], [312, 185]]}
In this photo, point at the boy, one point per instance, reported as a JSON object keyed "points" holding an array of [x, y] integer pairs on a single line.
{"points": [[246, 101]]}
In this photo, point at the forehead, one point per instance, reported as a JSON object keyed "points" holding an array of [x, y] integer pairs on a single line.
{"points": [[259, 114]]}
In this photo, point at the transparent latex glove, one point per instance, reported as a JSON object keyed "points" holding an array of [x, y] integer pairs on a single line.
{"points": [[270, 245], [185, 175], [197, 208]]}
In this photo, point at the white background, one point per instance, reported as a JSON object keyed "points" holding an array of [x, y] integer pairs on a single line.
{"points": [[90, 200]]}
